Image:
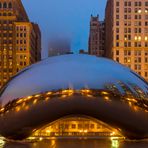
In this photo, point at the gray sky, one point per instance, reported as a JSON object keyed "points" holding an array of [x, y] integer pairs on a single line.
{"points": [[64, 18]]}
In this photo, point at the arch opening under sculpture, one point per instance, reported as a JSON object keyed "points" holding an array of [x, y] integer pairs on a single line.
{"points": [[76, 126]]}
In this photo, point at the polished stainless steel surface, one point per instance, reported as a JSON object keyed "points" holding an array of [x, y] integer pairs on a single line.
{"points": [[74, 85]]}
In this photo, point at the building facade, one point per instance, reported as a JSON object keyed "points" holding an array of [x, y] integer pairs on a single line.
{"points": [[127, 33], [20, 40], [96, 36]]}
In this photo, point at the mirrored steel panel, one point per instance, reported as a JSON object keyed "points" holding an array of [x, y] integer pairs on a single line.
{"points": [[74, 85]]}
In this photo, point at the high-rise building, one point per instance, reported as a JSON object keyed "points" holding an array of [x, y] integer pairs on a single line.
{"points": [[59, 46], [96, 36], [127, 33], [102, 38], [20, 40]]}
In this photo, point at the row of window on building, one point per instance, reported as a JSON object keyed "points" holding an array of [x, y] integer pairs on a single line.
{"points": [[6, 14], [135, 52], [130, 23], [5, 5], [135, 3], [136, 17]]}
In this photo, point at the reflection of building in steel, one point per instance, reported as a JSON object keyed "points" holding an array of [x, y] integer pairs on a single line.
{"points": [[59, 46], [97, 37], [76, 126], [68, 85]]}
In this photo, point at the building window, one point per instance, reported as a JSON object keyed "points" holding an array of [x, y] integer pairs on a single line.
{"points": [[117, 44], [117, 10], [117, 37], [146, 53], [137, 67], [117, 30], [117, 59], [117, 52], [127, 53], [117, 4], [137, 53], [138, 60], [138, 4], [117, 23], [146, 74], [117, 16], [5, 5], [10, 5], [73, 126]]}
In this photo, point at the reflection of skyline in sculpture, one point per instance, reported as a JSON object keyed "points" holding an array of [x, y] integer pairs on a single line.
{"points": [[75, 85], [78, 127], [59, 46]]}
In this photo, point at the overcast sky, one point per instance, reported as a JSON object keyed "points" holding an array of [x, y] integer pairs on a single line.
{"points": [[65, 18]]}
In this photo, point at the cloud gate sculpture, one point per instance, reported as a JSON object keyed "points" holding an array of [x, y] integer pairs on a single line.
{"points": [[74, 85]]}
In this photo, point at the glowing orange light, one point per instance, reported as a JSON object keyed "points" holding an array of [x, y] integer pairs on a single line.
{"points": [[29, 97], [47, 98], [18, 109], [37, 95], [27, 107], [106, 98], [49, 93], [105, 93], [47, 131], [35, 101], [85, 131], [2, 109], [19, 101], [85, 91]]}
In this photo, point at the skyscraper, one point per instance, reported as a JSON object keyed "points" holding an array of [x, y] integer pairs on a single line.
{"points": [[127, 33], [96, 36], [19, 39]]}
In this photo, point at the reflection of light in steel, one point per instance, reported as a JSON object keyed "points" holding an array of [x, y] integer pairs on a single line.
{"points": [[49, 93], [2, 142], [106, 98], [115, 142], [37, 95], [35, 101], [105, 93], [47, 98], [18, 109], [113, 94]]}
